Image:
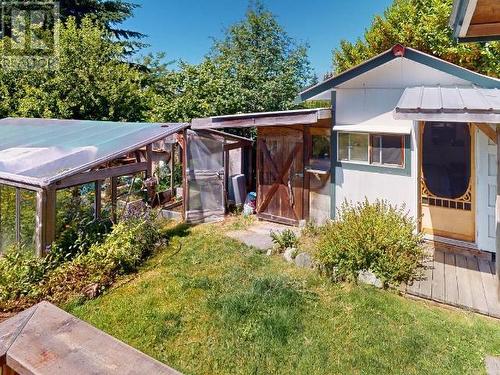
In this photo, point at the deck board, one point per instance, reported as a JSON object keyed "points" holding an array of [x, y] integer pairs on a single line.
{"points": [[490, 286], [478, 298], [451, 284], [438, 282], [459, 279], [464, 287]]}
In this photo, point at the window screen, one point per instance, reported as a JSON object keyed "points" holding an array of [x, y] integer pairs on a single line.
{"points": [[387, 149], [321, 147], [353, 147]]}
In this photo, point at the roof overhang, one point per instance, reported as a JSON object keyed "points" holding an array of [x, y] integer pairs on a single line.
{"points": [[381, 124], [476, 20], [322, 90], [259, 119], [453, 104]]}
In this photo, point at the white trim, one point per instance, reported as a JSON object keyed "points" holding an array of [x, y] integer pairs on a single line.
{"points": [[464, 28], [451, 241]]}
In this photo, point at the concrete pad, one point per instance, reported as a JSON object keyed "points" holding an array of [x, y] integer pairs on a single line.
{"points": [[492, 365], [258, 234]]}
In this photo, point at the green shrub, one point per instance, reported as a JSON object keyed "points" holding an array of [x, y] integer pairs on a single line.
{"points": [[20, 273], [376, 237], [284, 239], [122, 252], [26, 279]]}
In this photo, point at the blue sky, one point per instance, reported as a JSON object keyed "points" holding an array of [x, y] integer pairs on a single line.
{"points": [[184, 29]]}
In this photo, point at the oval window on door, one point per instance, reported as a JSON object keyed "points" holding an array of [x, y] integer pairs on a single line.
{"points": [[446, 159]]}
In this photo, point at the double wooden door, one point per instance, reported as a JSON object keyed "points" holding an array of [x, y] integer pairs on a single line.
{"points": [[280, 177]]}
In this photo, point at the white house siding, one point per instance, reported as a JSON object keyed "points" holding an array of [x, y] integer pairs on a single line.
{"points": [[370, 95]]}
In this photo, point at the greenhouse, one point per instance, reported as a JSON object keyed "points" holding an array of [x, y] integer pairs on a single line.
{"points": [[46, 164]]}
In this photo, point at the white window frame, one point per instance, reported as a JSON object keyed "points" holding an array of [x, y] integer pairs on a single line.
{"points": [[349, 147], [381, 163], [370, 162]]}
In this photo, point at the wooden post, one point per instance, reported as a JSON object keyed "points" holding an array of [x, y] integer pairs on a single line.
{"points": [[149, 160], [97, 199], [114, 196], [45, 221], [172, 165], [497, 255], [1, 230], [18, 215]]}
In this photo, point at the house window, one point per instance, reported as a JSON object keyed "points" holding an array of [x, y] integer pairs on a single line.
{"points": [[387, 149], [376, 149], [321, 147], [353, 147]]}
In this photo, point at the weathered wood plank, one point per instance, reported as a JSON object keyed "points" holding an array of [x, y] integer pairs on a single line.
{"points": [[438, 283], [18, 215], [55, 342], [489, 286], [425, 285], [450, 276], [464, 286], [102, 174], [478, 298]]}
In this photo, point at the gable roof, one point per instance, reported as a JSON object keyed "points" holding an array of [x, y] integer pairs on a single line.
{"points": [[399, 51]]}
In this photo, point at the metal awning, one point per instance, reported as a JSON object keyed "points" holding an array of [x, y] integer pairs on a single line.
{"points": [[454, 104], [383, 123], [307, 116]]}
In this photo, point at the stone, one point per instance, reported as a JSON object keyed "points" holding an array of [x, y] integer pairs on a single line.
{"points": [[368, 277], [289, 254], [269, 252], [492, 365], [304, 260]]}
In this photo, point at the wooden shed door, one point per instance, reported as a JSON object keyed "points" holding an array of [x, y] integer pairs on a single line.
{"points": [[280, 180]]}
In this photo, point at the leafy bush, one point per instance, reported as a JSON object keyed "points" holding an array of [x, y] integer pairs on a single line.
{"points": [[20, 273], [376, 237], [284, 239], [122, 252], [26, 279]]}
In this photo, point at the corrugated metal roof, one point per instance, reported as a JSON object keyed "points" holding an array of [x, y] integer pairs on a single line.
{"points": [[42, 151], [457, 104]]}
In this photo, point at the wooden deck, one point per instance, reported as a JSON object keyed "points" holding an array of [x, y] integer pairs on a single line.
{"points": [[459, 279]]}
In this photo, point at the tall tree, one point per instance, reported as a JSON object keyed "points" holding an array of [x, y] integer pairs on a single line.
{"points": [[423, 25], [256, 66], [110, 13], [91, 81]]}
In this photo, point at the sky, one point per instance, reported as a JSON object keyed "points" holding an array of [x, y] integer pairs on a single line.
{"points": [[185, 29]]}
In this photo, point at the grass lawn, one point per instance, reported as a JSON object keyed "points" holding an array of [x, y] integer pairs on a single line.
{"points": [[206, 304]]}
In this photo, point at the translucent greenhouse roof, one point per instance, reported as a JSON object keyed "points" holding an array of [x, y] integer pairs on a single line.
{"points": [[42, 151]]}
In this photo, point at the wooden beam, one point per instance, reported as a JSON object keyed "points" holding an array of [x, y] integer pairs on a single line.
{"points": [[488, 131], [18, 216], [236, 145], [114, 197], [498, 211], [149, 160], [172, 166], [485, 29], [102, 174], [97, 199], [45, 221]]}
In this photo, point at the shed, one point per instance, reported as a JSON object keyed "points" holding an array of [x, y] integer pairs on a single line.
{"points": [[45, 340], [292, 163], [46, 155]]}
